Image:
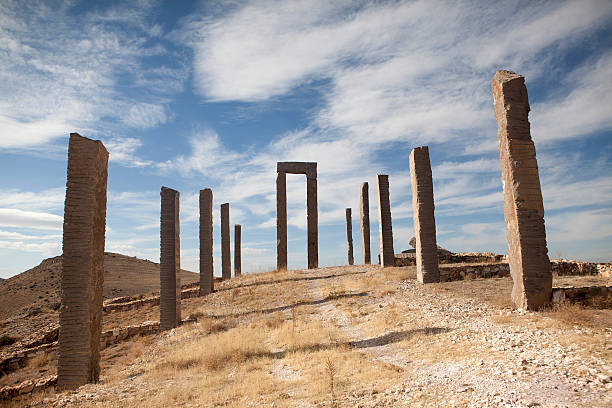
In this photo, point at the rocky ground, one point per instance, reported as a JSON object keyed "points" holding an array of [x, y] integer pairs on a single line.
{"points": [[359, 337]]}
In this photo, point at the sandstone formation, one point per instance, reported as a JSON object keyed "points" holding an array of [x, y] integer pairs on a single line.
{"points": [[310, 170], [237, 255], [523, 208], [169, 260], [349, 235], [206, 242], [423, 216], [364, 223], [387, 257], [82, 276], [226, 261]]}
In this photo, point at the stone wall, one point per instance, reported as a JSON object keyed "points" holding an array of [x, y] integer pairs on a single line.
{"points": [[588, 295], [461, 272]]}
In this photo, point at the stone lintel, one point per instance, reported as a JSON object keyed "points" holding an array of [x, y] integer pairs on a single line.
{"points": [[307, 168]]}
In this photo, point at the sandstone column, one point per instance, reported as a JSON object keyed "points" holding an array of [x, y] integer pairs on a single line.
{"points": [[83, 263], [237, 254], [206, 242], [387, 256], [281, 221], [313, 227], [349, 235], [423, 216], [226, 261], [364, 222], [523, 208], [169, 261]]}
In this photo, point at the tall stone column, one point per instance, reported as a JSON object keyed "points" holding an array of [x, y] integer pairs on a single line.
{"points": [[349, 235], [364, 222], [313, 222], [206, 242], [237, 254], [83, 263], [423, 216], [281, 221], [226, 261], [169, 261], [523, 208], [387, 256]]}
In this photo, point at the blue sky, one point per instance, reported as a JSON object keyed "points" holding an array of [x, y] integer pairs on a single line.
{"points": [[212, 94]]}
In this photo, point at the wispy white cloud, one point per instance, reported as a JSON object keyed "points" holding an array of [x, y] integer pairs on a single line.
{"points": [[10, 217], [57, 77]]}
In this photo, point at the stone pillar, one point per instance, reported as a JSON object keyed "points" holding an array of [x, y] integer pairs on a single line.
{"points": [[349, 235], [523, 208], [313, 222], [237, 254], [281, 221], [169, 261], [387, 256], [364, 222], [206, 242], [423, 216], [226, 261], [83, 263]]}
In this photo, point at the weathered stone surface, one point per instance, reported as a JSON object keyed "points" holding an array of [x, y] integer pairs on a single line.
{"points": [[349, 236], [169, 260], [281, 221], [237, 254], [387, 257], [226, 260], [83, 263], [523, 208], [313, 222], [423, 216], [364, 222], [206, 242], [310, 170]]}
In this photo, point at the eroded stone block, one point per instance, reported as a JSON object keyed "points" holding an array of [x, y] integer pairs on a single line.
{"points": [[349, 235], [237, 254], [83, 263], [423, 216], [364, 222], [387, 257], [169, 260], [523, 208], [226, 261], [206, 242]]}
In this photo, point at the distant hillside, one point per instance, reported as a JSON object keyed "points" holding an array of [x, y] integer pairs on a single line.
{"points": [[40, 286]]}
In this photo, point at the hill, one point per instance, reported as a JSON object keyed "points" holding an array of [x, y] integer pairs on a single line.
{"points": [[39, 287]]}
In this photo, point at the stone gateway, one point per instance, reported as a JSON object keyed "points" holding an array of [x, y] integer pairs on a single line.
{"points": [[310, 170]]}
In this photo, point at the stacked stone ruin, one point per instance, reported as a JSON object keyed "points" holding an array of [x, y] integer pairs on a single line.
{"points": [[82, 276], [79, 334], [523, 207], [237, 255], [206, 242], [349, 236], [423, 215], [364, 223], [310, 171], [226, 261], [169, 260], [387, 256]]}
